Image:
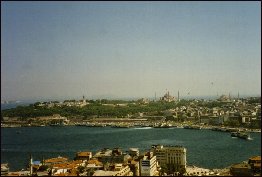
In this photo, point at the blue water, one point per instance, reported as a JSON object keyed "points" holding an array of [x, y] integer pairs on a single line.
{"points": [[14, 105], [205, 148]]}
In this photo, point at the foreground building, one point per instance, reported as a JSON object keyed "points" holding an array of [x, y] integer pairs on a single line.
{"points": [[173, 157], [115, 170], [148, 165], [112, 156]]}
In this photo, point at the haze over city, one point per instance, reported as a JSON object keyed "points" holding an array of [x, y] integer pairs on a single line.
{"points": [[59, 50]]}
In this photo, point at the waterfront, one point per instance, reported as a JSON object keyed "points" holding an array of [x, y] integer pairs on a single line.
{"points": [[205, 148]]}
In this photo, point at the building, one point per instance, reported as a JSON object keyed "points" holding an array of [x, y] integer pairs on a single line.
{"points": [[57, 160], [115, 170], [148, 165], [174, 156], [167, 97], [224, 98], [68, 168], [143, 101], [204, 119], [134, 167], [255, 163], [112, 156], [83, 156], [4, 169], [133, 152], [216, 120], [241, 170]]}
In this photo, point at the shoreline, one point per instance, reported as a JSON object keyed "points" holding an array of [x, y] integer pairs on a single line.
{"points": [[147, 124]]}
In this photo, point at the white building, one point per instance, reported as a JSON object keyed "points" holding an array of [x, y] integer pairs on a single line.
{"points": [[148, 165], [119, 170], [134, 151], [175, 155]]}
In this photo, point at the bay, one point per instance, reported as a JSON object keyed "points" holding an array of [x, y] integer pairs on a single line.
{"points": [[205, 148]]}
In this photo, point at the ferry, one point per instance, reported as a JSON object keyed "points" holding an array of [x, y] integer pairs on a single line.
{"points": [[241, 135]]}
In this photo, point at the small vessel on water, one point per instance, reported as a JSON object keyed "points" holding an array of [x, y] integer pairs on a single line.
{"points": [[163, 125], [18, 132], [241, 135], [121, 126], [193, 127]]}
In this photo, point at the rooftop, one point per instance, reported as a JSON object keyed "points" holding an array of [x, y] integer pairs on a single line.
{"points": [[56, 160], [255, 158], [104, 173], [84, 153]]}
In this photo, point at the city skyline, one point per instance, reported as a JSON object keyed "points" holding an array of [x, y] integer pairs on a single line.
{"points": [[58, 50]]}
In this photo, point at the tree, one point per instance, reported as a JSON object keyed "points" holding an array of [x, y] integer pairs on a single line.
{"points": [[163, 169], [43, 168], [182, 171], [81, 169]]}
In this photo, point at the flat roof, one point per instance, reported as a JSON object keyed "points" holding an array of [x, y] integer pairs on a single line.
{"points": [[255, 158], [55, 160], [84, 153], [104, 173]]}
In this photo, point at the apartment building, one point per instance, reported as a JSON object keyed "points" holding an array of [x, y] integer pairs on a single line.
{"points": [[148, 165], [170, 155]]}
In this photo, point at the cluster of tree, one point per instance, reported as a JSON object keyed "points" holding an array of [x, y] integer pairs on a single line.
{"points": [[254, 100], [211, 104], [27, 111], [96, 108], [232, 123], [171, 168], [92, 109]]}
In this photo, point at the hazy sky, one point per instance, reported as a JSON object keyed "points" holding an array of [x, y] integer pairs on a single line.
{"points": [[129, 49]]}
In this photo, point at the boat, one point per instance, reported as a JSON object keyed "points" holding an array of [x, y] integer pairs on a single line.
{"points": [[162, 126], [187, 127], [192, 127], [179, 126], [234, 134], [18, 132], [221, 129], [241, 135], [58, 124], [98, 125], [120, 126], [89, 125]]}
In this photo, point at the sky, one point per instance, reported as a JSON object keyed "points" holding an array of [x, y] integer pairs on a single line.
{"points": [[60, 50]]}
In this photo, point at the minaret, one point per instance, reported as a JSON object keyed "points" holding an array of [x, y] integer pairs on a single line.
{"points": [[178, 96], [84, 101], [31, 165], [238, 95], [43, 160], [155, 96]]}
